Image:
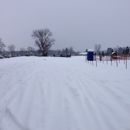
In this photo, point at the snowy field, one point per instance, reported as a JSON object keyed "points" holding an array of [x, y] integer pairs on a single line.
{"points": [[54, 93]]}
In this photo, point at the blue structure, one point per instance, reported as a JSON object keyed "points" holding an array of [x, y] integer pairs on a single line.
{"points": [[90, 55]]}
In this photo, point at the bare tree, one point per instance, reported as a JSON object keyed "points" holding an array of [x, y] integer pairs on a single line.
{"points": [[43, 40], [66, 50], [30, 49], [71, 50], [97, 48], [2, 45], [63, 51], [127, 50], [114, 49], [11, 49], [117, 48], [22, 51], [58, 52]]}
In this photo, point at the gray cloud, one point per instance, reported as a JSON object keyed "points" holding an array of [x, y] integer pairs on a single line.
{"points": [[79, 24]]}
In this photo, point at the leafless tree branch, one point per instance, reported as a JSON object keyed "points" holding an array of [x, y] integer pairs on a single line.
{"points": [[97, 48], [43, 40], [11, 48]]}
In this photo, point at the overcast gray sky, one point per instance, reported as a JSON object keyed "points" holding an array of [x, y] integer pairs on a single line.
{"points": [[77, 23]]}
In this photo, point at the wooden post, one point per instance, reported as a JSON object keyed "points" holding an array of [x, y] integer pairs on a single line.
{"points": [[96, 61], [126, 61], [107, 60], [119, 58], [116, 63]]}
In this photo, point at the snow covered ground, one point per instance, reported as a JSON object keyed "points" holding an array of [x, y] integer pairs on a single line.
{"points": [[54, 93]]}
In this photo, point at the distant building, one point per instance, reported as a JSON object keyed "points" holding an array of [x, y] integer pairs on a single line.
{"points": [[83, 53]]}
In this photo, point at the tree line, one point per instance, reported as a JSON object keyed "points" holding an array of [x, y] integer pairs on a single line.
{"points": [[43, 40], [97, 49], [11, 49]]}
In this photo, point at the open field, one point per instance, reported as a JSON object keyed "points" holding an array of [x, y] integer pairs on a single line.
{"points": [[54, 93]]}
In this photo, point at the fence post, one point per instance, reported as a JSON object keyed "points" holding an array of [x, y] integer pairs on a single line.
{"points": [[126, 61], [96, 60], [116, 63]]}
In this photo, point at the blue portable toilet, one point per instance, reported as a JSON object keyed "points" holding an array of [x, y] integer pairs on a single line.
{"points": [[90, 55]]}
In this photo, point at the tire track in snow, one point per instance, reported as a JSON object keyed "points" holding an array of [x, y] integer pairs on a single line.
{"points": [[84, 105], [55, 103], [25, 101], [110, 105], [67, 101], [24, 82], [112, 109], [9, 69], [10, 93], [9, 79], [76, 94]]}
